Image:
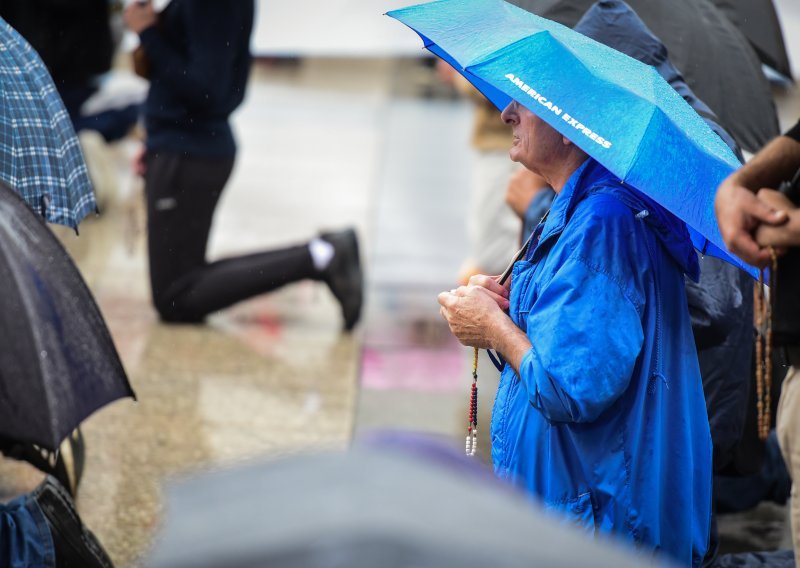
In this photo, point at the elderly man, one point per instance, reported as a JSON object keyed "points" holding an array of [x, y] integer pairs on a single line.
{"points": [[600, 411]]}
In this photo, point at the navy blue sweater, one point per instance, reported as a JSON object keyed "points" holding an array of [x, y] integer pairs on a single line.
{"points": [[199, 56]]}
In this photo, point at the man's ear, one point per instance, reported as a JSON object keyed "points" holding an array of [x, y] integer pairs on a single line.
{"points": [[566, 141]]}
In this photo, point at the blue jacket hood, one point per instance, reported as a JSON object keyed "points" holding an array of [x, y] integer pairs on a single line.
{"points": [[670, 231]]}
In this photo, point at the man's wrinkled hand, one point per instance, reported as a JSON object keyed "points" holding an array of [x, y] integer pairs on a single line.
{"points": [[499, 292], [473, 314]]}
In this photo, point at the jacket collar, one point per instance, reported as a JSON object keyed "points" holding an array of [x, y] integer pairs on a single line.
{"points": [[589, 174]]}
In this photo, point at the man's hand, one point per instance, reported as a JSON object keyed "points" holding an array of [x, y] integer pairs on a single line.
{"points": [[139, 16], [446, 73], [139, 161], [498, 292], [477, 318], [474, 315], [787, 235], [523, 186], [739, 214]]}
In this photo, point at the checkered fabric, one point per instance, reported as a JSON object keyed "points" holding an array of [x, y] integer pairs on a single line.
{"points": [[40, 155]]}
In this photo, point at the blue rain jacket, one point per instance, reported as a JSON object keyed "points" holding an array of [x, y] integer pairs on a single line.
{"points": [[606, 421]]}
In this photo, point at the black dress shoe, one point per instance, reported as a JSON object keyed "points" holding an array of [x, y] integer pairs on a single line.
{"points": [[343, 275], [75, 545]]}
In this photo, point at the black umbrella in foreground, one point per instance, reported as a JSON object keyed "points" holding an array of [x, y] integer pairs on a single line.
{"points": [[713, 56], [58, 363], [364, 508]]}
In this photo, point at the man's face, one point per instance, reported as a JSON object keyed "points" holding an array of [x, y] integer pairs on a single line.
{"points": [[535, 142]]}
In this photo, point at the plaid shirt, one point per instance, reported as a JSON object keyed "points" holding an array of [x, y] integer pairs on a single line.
{"points": [[40, 155]]}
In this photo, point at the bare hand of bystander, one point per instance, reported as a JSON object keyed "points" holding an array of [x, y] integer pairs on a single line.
{"points": [[139, 16], [786, 235], [523, 186]]}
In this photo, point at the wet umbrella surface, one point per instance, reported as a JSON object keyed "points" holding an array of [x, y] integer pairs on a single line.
{"points": [[367, 508], [714, 57], [40, 156], [58, 363]]}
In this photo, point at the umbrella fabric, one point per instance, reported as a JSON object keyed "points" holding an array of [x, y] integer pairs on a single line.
{"points": [[759, 23], [39, 152], [618, 110], [713, 56], [58, 363], [364, 508]]}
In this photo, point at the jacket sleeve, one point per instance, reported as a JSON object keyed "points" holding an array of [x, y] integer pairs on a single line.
{"points": [[586, 335], [197, 77]]}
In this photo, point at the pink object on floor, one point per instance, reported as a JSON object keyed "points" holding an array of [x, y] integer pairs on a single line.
{"points": [[414, 369]]}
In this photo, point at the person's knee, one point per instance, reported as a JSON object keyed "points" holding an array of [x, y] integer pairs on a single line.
{"points": [[170, 308]]}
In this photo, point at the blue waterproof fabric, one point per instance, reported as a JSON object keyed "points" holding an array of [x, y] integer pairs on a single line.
{"points": [[721, 303], [606, 422], [615, 108]]}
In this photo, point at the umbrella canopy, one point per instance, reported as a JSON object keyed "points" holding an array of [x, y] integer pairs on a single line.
{"points": [[759, 23], [40, 156], [366, 508], [58, 363], [618, 110], [713, 56]]}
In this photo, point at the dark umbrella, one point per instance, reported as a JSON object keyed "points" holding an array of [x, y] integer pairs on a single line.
{"points": [[58, 363], [365, 508], [713, 56], [759, 23], [40, 156]]}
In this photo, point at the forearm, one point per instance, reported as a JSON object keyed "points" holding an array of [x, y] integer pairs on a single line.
{"points": [[510, 341], [776, 163]]}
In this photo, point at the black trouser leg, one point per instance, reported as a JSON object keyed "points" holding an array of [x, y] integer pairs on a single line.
{"points": [[182, 193]]}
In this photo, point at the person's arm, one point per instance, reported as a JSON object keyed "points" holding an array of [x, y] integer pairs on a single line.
{"points": [[776, 162], [584, 336], [740, 212], [200, 78]]}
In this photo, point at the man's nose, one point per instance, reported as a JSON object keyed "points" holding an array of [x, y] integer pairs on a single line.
{"points": [[509, 114]]}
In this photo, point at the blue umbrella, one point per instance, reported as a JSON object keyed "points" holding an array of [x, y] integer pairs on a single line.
{"points": [[40, 156], [618, 110]]}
